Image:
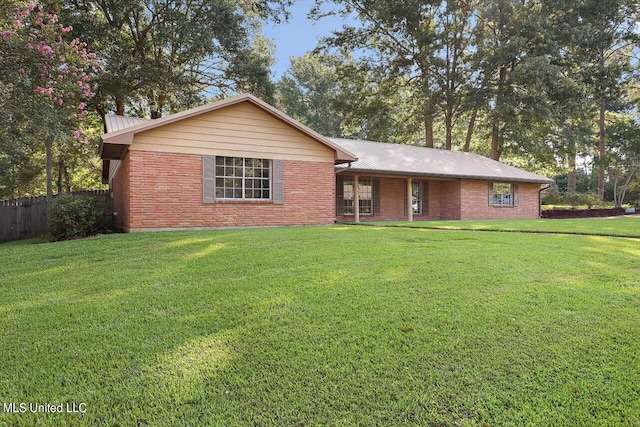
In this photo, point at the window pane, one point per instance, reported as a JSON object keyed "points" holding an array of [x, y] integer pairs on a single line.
{"points": [[502, 194], [240, 178], [416, 192], [365, 196]]}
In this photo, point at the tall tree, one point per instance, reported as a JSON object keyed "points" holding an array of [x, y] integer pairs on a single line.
{"points": [[603, 33], [168, 54], [399, 41], [308, 90]]}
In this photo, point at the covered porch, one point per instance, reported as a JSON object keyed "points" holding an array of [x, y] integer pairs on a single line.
{"points": [[376, 197]]}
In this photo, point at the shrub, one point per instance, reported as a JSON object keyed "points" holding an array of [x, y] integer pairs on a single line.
{"points": [[553, 196], [73, 216]]}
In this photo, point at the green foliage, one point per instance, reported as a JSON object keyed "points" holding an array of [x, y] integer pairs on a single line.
{"points": [[326, 326], [307, 93], [45, 77], [163, 56], [73, 216], [555, 197]]}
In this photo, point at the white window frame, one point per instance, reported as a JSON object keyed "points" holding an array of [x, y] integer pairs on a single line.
{"points": [[505, 195], [365, 208], [242, 170]]}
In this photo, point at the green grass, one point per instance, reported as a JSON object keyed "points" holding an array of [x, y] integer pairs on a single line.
{"points": [[324, 326], [624, 226]]}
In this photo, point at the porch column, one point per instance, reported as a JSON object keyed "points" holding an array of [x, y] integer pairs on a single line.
{"points": [[409, 199], [356, 200]]}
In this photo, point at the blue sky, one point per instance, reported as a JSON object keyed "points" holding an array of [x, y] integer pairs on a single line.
{"points": [[299, 35]]}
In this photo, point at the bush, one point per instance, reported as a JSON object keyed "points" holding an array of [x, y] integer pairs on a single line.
{"points": [[553, 196], [74, 216]]}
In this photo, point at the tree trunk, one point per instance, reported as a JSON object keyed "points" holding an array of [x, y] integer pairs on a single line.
{"points": [[448, 123], [602, 149], [120, 106], [470, 129], [495, 128], [428, 132]]}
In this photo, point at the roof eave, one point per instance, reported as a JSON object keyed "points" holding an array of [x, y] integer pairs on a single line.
{"points": [[446, 176]]}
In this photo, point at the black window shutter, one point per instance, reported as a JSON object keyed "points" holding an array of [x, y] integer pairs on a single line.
{"points": [[208, 179], [278, 182], [339, 195]]}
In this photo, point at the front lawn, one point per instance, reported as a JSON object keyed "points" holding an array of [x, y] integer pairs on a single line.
{"points": [[334, 325], [624, 226]]}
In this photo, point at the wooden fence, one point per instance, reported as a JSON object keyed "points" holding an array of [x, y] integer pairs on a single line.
{"points": [[28, 217]]}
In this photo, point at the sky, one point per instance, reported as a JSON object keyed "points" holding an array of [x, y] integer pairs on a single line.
{"points": [[299, 35]]}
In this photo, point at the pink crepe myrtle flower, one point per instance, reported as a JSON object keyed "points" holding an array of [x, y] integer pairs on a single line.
{"points": [[82, 105], [6, 34], [38, 89], [49, 90], [17, 23], [60, 101], [21, 70], [31, 6], [78, 133]]}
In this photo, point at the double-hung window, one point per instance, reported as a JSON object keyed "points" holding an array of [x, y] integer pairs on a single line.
{"points": [[365, 196], [243, 178], [416, 199], [501, 194]]}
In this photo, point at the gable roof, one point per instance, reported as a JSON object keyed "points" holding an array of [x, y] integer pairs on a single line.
{"points": [[378, 157], [114, 123], [123, 129]]}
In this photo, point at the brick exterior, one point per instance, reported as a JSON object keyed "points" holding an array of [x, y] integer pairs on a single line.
{"points": [[165, 191], [450, 203], [475, 202], [449, 200]]}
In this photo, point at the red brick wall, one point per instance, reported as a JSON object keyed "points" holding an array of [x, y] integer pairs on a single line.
{"points": [[120, 193], [450, 200], [166, 192], [475, 202]]}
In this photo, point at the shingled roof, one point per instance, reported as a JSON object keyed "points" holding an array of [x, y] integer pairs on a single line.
{"points": [[397, 159]]}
